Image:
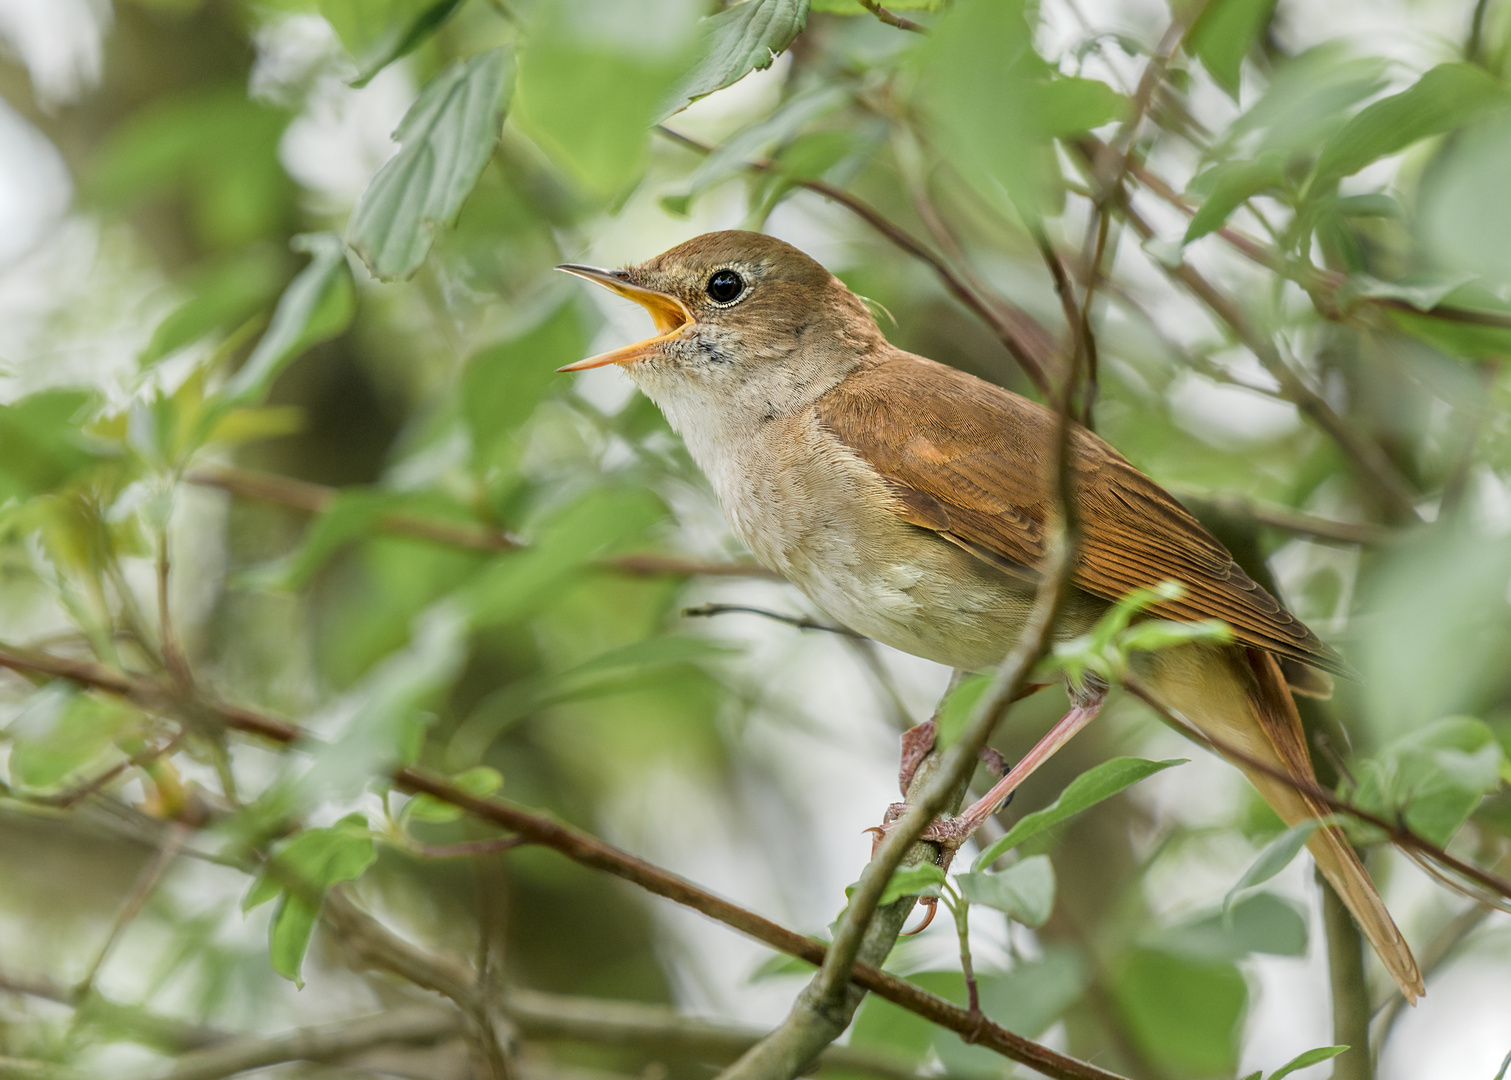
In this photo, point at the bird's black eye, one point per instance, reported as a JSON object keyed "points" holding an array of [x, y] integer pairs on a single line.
{"points": [[725, 286]]}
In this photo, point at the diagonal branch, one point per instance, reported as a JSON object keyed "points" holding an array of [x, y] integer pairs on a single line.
{"points": [[315, 498], [589, 851]]}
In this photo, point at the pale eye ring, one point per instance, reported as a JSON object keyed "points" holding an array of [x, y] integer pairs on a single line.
{"points": [[725, 286]]}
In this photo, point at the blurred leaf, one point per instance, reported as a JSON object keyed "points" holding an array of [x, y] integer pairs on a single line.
{"points": [[744, 37], [352, 515], [378, 724], [41, 446], [1310, 1057], [59, 731], [445, 140], [957, 708], [1181, 1013], [1422, 291], [1441, 624], [403, 37], [1226, 186], [1258, 923], [316, 306], [995, 104], [248, 425], [1306, 103], [1027, 999], [224, 295], [216, 147], [1224, 33], [614, 671], [1464, 217], [1448, 96], [517, 581], [925, 879], [1086, 790], [1275, 857], [733, 156], [594, 75], [782, 964], [1155, 634], [478, 780], [1024, 891], [504, 382], [300, 872], [1433, 778]]}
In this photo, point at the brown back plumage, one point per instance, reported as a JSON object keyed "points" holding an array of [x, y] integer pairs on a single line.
{"points": [[969, 460]]}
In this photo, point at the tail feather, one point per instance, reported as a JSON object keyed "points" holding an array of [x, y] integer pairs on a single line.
{"points": [[1238, 697]]}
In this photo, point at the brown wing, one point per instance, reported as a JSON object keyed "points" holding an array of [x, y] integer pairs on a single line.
{"points": [[969, 460]]}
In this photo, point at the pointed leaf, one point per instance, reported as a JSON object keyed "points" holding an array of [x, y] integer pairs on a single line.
{"points": [[1225, 187], [1025, 891], [742, 38], [1310, 1057], [1224, 33], [317, 305], [403, 38], [1446, 97], [1275, 857], [444, 141], [1088, 789]]}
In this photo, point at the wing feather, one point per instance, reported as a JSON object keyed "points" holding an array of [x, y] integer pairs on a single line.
{"points": [[967, 460]]}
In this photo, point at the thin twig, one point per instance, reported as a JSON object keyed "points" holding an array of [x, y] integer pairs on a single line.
{"points": [[1297, 522], [1370, 463], [141, 889], [1030, 344], [802, 622], [591, 852], [1397, 832], [315, 498], [892, 19]]}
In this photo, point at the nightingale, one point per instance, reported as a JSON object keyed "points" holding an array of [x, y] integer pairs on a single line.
{"points": [[912, 502]]}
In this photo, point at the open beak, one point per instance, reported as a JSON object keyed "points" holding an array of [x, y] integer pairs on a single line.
{"points": [[669, 313]]}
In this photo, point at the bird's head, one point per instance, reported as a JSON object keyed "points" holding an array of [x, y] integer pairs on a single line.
{"points": [[736, 309]]}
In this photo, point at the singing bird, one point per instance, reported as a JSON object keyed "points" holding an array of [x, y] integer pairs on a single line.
{"points": [[913, 503]]}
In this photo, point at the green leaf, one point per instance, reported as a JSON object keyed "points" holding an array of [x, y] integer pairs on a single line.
{"points": [[316, 306], [478, 780], [1433, 778], [925, 879], [1310, 1057], [1155, 634], [1505, 1064], [41, 447], [958, 707], [1306, 103], [403, 38], [742, 38], [515, 583], [502, 384], [594, 75], [1086, 790], [379, 723], [59, 731], [1183, 1014], [853, 7], [1446, 97], [1275, 857], [1258, 923], [1226, 186], [1025, 891], [1422, 291], [301, 871], [223, 295], [444, 140], [353, 514], [995, 106], [289, 936], [1224, 33]]}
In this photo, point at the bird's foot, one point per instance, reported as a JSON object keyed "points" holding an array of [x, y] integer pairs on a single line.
{"points": [[919, 740]]}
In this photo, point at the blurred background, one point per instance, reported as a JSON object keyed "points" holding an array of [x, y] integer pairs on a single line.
{"points": [[282, 431]]}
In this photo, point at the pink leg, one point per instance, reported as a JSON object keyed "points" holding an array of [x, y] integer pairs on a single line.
{"points": [[952, 832]]}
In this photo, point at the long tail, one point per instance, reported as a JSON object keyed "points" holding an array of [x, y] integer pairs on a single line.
{"points": [[1237, 697]]}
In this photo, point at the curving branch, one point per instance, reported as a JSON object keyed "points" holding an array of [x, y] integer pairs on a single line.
{"points": [[589, 851], [316, 498]]}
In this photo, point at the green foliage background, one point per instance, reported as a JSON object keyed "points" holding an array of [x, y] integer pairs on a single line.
{"points": [[279, 428]]}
